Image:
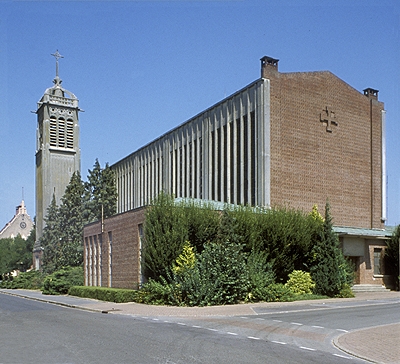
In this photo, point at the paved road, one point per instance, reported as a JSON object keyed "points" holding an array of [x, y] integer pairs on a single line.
{"points": [[260, 333]]}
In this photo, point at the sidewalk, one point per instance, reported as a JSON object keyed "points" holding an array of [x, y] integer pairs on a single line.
{"points": [[379, 344]]}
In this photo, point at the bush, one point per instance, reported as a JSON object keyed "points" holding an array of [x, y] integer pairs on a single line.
{"points": [[25, 280], [116, 295], [300, 282], [62, 280], [329, 270], [261, 276], [277, 292]]}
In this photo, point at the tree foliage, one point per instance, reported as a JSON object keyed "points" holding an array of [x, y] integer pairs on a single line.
{"points": [[392, 255], [100, 193], [165, 235], [81, 203], [15, 254], [329, 270]]}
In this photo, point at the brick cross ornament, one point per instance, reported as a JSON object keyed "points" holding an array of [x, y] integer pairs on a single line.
{"points": [[328, 117]]}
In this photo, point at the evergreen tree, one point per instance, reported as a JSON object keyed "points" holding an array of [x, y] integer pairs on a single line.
{"points": [[165, 232], [100, 198], [50, 240], [329, 268], [392, 256], [71, 223]]}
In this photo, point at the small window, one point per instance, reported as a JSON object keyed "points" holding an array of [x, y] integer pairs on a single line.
{"points": [[377, 261]]}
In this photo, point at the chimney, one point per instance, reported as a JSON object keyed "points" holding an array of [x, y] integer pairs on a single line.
{"points": [[371, 93], [268, 64]]}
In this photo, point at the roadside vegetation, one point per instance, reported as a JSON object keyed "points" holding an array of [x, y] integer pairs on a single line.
{"points": [[197, 256], [62, 244]]}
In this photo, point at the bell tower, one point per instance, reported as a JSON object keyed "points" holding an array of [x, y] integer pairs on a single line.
{"points": [[57, 150]]}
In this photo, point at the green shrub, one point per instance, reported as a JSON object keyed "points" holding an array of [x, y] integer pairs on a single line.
{"points": [[116, 295], [329, 269], [277, 292], [300, 282], [62, 280], [159, 293], [25, 280], [260, 274], [345, 292]]}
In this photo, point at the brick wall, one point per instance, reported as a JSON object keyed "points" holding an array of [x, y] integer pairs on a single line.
{"points": [[123, 229], [310, 164]]}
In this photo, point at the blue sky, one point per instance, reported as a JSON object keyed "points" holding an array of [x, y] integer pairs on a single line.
{"points": [[139, 68]]}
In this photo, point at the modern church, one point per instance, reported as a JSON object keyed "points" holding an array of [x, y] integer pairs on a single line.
{"points": [[286, 139]]}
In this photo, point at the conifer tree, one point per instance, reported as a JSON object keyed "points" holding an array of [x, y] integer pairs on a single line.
{"points": [[392, 256], [100, 197], [50, 240], [71, 223], [329, 268]]}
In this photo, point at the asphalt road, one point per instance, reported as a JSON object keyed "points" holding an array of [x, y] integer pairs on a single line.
{"points": [[38, 332]]}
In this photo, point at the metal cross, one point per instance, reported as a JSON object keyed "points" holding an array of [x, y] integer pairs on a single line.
{"points": [[57, 56], [328, 117]]}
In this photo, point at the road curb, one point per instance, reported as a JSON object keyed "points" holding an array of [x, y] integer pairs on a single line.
{"points": [[63, 304]]}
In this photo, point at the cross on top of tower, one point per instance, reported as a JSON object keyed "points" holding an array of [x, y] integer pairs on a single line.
{"points": [[57, 56]]}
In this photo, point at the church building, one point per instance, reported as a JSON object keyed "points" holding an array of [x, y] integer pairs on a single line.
{"points": [[21, 224], [57, 150], [286, 139]]}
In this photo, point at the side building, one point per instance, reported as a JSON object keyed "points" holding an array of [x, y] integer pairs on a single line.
{"points": [[21, 224], [293, 139]]}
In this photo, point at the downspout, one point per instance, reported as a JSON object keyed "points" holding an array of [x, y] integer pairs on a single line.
{"points": [[384, 172]]}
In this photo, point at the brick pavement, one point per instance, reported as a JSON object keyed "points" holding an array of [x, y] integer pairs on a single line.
{"points": [[379, 344]]}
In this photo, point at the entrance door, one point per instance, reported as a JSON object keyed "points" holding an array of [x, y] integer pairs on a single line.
{"points": [[355, 262]]}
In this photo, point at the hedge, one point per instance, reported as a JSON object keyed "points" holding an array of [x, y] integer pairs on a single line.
{"points": [[117, 295]]}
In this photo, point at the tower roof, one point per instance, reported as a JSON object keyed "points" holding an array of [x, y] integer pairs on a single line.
{"points": [[57, 94]]}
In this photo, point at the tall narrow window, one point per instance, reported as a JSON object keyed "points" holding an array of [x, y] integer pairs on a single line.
{"points": [[61, 133], [94, 260], [86, 262], [219, 166], [110, 259], [253, 137], [225, 182], [70, 134], [99, 260], [141, 260], [377, 261], [201, 168], [238, 162], [53, 131], [212, 165], [245, 160], [90, 261]]}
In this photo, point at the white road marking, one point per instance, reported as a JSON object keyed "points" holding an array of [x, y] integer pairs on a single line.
{"points": [[156, 319], [296, 323], [212, 329], [341, 330], [317, 327], [232, 333], [181, 323], [305, 348], [277, 320], [253, 338], [278, 342], [343, 356], [196, 326]]}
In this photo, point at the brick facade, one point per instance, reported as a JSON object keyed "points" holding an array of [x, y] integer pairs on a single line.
{"points": [[112, 257], [312, 161]]}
